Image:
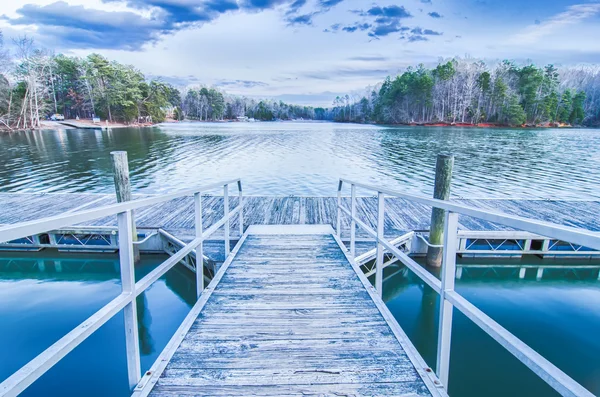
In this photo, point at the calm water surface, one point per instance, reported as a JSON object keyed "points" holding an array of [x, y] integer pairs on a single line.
{"points": [[295, 158], [47, 294], [557, 316]]}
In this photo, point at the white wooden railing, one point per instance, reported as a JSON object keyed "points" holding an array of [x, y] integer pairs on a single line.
{"points": [[130, 289], [449, 298]]}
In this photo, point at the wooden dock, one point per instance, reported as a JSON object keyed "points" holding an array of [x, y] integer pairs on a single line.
{"points": [[289, 315], [290, 312], [177, 216]]}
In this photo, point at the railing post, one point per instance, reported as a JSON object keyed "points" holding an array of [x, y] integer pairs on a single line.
{"points": [[126, 263], [352, 221], [241, 219], [226, 214], [199, 249], [448, 274], [123, 189], [338, 227], [380, 237], [441, 191]]}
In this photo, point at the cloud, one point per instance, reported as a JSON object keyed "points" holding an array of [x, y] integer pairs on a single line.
{"points": [[295, 6], [434, 14], [329, 3], [369, 58], [345, 73], [76, 26], [393, 12], [425, 32], [414, 38], [419, 34], [80, 27], [241, 84], [354, 28], [305, 19], [183, 12], [429, 32], [426, 1], [385, 20], [573, 15]]}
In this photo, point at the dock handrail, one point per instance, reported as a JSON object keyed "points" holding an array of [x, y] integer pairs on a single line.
{"points": [[449, 298], [130, 289]]}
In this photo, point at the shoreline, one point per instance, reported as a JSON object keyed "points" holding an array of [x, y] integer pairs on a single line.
{"points": [[87, 124], [76, 124], [490, 125], [483, 125]]}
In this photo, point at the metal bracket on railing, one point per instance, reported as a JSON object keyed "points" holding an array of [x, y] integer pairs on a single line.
{"points": [[427, 242], [145, 238]]}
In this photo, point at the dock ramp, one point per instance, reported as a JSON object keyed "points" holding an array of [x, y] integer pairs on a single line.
{"points": [[289, 315]]}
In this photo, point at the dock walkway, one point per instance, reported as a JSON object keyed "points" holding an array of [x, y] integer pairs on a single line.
{"points": [[288, 315], [177, 216], [289, 312]]}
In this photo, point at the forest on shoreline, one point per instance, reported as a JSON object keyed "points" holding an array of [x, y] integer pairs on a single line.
{"points": [[35, 83], [471, 92]]}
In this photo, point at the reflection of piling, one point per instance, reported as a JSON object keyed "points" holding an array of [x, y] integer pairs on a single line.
{"points": [[144, 322], [441, 191], [427, 324], [123, 190]]}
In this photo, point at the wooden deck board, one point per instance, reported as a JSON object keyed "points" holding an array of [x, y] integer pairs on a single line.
{"points": [[177, 215], [405, 389], [290, 317]]}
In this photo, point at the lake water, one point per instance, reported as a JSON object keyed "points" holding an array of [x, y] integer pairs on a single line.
{"points": [[44, 295], [557, 316], [47, 294], [296, 158]]}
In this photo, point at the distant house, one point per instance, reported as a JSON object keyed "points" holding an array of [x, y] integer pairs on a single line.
{"points": [[242, 118]]}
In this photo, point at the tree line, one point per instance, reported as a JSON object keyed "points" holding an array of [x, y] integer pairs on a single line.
{"points": [[35, 83], [202, 103], [470, 91]]}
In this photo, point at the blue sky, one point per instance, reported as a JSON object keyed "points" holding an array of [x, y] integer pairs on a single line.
{"points": [[306, 51]]}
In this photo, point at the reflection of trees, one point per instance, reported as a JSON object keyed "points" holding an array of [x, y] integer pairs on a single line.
{"points": [[71, 267], [183, 283], [81, 268], [425, 339], [144, 322], [75, 154], [398, 280], [394, 282]]}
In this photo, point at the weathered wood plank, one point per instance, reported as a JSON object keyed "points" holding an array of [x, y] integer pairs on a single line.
{"points": [[177, 216], [198, 378], [404, 389], [290, 316]]}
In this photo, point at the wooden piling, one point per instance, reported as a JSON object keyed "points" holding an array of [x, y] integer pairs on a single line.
{"points": [[441, 191], [123, 190]]}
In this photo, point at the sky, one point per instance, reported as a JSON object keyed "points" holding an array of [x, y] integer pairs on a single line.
{"points": [[305, 51]]}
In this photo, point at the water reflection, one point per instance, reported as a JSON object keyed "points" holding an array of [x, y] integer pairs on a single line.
{"points": [[307, 158], [555, 315], [46, 294]]}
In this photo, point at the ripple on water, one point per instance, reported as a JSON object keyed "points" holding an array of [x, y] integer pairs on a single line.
{"points": [[307, 159]]}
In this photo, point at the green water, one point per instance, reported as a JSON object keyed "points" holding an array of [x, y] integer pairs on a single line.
{"points": [[44, 295], [558, 316]]}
